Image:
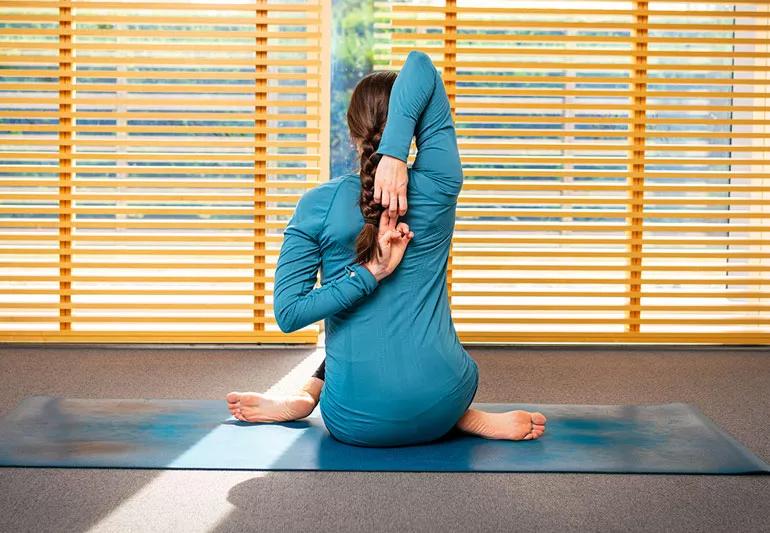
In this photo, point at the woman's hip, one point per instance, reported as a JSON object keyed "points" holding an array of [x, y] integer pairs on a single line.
{"points": [[392, 428]]}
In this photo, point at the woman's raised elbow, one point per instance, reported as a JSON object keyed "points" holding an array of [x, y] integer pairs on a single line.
{"points": [[419, 56], [421, 61]]}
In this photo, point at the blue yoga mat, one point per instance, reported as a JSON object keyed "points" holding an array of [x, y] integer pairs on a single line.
{"points": [[201, 434]]}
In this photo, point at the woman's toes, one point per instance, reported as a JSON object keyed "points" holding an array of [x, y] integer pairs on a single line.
{"points": [[233, 397], [538, 427], [538, 418]]}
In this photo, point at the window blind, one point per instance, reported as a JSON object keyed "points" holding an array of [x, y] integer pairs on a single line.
{"points": [[617, 187], [152, 153]]}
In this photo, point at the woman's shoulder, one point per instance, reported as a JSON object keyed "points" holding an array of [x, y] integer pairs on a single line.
{"points": [[347, 177], [336, 181], [323, 193]]}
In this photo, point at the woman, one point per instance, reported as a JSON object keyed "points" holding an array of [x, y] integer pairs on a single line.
{"points": [[395, 372]]}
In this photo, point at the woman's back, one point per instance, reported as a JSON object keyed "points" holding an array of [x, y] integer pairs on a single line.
{"points": [[396, 372]]}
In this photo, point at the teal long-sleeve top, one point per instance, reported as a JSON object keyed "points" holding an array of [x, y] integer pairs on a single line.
{"points": [[396, 373]]}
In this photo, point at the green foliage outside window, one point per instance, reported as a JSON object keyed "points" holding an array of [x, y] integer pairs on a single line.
{"points": [[352, 58]]}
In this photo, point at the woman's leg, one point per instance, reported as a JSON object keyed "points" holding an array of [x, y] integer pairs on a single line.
{"points": [[258, 407], [511, 425], [314, 385]]}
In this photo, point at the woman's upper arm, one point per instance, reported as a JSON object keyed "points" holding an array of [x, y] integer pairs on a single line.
{"points": [[298, 262], [436, 139], [296, 303]]}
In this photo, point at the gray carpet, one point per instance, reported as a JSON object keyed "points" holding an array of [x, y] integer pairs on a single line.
{"points": [[728, 384]]}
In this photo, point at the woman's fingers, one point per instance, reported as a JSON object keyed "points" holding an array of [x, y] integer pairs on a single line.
{"points": [[390, 185], [394, 201], [403, 228], [384, 219], [393, 205], [392, 221], [395, 234], [386, 222], [403, 237], [387, 237]]}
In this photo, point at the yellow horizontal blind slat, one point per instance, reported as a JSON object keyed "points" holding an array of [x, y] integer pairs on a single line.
{"points": [[148, 173], [615, 159]]}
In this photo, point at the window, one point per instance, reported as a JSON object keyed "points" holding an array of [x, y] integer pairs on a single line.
{"points": [[152, 154], [615, 158], [615, 153]]}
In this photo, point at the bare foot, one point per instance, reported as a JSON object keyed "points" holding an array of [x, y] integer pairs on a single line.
{"points": [[256, 407], [511, 425]]}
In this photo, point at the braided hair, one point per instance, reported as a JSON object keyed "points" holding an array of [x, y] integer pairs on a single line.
{"points": [[366, 116]]}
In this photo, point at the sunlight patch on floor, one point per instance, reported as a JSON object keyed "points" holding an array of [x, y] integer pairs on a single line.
{"points": [[177, 498]]}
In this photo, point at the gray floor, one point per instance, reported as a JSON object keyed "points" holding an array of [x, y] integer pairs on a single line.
{"points": [[729, 384]]}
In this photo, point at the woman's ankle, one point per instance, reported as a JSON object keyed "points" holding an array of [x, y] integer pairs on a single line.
{"points": [[473, 421], [312, 388]]}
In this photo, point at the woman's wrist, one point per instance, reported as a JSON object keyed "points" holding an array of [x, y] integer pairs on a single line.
{"points": [[378, 271], [392, 158]]}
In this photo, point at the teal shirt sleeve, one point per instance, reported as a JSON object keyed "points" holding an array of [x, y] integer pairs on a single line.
{"points": [[296, 303], [419, 107]]}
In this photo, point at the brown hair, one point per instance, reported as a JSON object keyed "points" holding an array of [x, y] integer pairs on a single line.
{"points": [[367, 114]]}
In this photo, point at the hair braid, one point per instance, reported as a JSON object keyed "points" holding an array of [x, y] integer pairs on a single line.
{"points": [[367, 244], [367, 114]]}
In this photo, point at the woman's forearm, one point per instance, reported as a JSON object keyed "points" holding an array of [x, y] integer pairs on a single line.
{"points": [[296, 308]]}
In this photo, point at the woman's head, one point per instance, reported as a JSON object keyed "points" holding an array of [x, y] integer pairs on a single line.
{"points": [[367, 114]]}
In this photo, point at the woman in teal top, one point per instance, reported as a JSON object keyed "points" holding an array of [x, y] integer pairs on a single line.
{"points": [[395, 372]]}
